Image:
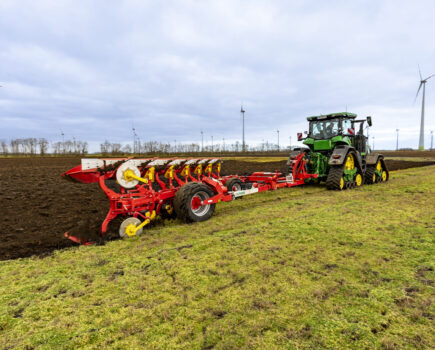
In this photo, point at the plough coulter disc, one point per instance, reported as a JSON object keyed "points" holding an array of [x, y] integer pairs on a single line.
{"points": [[123, 179], [127, 227]]}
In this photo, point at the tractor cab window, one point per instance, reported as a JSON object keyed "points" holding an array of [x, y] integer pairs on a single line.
{"points": [[346, 125], [324, 129]]}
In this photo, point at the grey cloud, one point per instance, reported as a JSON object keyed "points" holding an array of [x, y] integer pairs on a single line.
{"points": [[93, 69]]}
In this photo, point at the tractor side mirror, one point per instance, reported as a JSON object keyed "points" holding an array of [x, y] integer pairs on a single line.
{"points": [[369, 121]]}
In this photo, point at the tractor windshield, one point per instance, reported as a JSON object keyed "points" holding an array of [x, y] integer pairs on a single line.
{"points": [[324, 129]]}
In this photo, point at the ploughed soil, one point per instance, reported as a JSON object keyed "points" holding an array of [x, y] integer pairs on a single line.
{"points": [[37, 205]]}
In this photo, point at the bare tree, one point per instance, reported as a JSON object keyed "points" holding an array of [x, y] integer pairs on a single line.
{"points": [[116, 148], [43, 146], [105, 148], [4, 147], [126, 149]]}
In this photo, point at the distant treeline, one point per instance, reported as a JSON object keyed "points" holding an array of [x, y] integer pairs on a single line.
{"points": [[32, 146], [40, 146], [155, 147]]}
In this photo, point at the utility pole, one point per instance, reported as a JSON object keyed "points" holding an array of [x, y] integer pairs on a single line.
{"points": [[134, 139], [243, 132], [278, 139], [212, 143], [373, 139], [290, 138], [175, 145], [63, 141], [223, 143], [202, 141], [397, 140]]}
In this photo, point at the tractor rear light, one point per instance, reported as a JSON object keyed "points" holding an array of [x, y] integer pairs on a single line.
{"points": [[336, 156]]}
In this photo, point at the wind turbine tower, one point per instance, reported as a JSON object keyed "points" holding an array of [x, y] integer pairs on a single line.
{"points": [[243, 135], [422, 83]]}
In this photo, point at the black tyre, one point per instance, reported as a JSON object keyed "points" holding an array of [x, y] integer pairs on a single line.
{"points": [[187, 202], [370, 175], [234, 185], [335, 179]]}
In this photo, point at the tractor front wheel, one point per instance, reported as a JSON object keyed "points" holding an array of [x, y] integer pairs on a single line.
{"points": [[335, 180], [189, 202]]}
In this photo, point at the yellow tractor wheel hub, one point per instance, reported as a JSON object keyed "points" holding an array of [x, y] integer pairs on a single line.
{"points": [[379, 166], [341, 183], [384, 176], [350, 162], [358, 180]]}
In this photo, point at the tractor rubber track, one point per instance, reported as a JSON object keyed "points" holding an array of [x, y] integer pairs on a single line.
{"points": [[368, 176], [334, 176]]}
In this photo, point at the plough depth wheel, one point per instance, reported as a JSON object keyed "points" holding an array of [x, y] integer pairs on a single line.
{"points": [[128, 226], [188, 202]]}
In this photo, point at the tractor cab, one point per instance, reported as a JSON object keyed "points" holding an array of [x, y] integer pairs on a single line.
{"points": [[328, 126], [327, 131]]}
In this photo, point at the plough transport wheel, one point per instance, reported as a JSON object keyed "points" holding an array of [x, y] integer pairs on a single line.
{"points": [[234, 185], [188, 202]]}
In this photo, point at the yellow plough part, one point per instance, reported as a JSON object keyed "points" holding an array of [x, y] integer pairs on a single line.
{"points": [[131, 229]]}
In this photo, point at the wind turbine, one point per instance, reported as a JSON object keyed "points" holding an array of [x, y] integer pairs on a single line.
{"points": [[422, 83], [242, 111]]}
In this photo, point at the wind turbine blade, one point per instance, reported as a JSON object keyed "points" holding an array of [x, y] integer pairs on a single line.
{"points": [[419, 72], [430, 76], [418, 91]]}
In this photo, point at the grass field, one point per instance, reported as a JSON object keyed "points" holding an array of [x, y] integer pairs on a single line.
{"points": [[296, 268]]}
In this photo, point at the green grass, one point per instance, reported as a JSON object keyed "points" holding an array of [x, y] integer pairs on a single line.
{"points": [[298, 268]]}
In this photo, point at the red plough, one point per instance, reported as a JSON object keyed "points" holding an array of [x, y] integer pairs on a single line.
{"points": [[141, 189]]}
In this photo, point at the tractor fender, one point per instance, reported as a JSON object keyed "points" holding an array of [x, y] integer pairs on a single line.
{"points": [[372, 158], [340, 153]]}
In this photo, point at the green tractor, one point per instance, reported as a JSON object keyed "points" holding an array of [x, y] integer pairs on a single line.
{"points": [[338, 152]]}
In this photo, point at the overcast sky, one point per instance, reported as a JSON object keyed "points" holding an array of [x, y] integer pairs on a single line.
{"points": [[173, 68]]}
